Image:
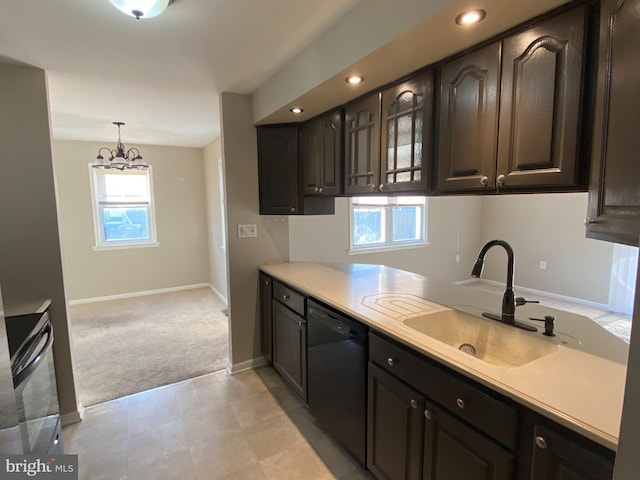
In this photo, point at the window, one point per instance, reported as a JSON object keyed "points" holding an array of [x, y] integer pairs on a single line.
{"points": [[387, 222], [122, 208]]}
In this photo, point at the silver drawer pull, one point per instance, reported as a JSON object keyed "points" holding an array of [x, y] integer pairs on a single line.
{"points": [[414, 404], [427, 414], [541, 443], [391, 361], [460, 403], [285, 297]]}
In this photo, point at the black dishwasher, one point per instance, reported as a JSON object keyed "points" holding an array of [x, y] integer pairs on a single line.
{"points": [[337, 359]]}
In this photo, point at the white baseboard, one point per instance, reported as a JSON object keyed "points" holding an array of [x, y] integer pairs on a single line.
{"points": [[72, 417], [235, 368], [137, 294], [602, 306], [220, 296]]}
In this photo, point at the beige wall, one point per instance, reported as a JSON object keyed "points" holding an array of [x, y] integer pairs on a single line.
{"points": [[453, 227], [216, 225], [240, 160], [547, 227], [181, 225], [30, 258]]}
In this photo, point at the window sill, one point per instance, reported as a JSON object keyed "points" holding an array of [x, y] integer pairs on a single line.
{"points": [[412, 246], [124, 246]]}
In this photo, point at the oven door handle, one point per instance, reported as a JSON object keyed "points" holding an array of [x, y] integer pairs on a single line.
{"points": [[26, 372]]}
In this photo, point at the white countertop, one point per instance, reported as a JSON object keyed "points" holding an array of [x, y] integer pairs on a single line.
{"points": [[580, 387]]}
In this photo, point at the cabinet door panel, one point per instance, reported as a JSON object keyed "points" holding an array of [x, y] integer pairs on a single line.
{"points": [[454, 450], [406, 135], [278, 170], [614, 196], [394, 428], [563, 459], [290, 348], [362, 146], [331, 131], [468, 121], [540, 103], [266, 320], [311, 155]]}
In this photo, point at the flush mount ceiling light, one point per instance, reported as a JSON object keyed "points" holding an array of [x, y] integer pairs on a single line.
{"points": [[141, 8], [470, 17], [296, 110], [354, 79], [118, 158]]}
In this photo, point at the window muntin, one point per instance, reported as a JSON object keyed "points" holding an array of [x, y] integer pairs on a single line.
{"points": [[123, 207], [387, 222]]}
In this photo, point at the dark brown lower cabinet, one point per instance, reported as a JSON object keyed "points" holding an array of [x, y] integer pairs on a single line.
{"points": [[394, 428], [266, 321], [558, 457], [290, 347], [453, 450]]}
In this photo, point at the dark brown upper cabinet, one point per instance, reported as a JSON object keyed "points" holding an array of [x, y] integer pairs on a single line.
{"points": [[469, 121], [535, 100], [540, 95], [362, 145], [614, 193], [279, 174], [388, 139], [322, 155], [405, 155]]}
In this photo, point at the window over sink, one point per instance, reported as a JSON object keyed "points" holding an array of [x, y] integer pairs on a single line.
{"points": [[386, 223], [123, 213]]}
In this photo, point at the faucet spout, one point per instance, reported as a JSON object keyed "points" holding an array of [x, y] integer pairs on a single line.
{"points": [[508, 299]]}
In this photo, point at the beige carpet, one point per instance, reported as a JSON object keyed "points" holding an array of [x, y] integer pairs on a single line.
{"points": [[131, 345]]}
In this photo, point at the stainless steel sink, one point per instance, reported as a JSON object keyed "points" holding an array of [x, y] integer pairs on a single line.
{"points": [[487, 340]]}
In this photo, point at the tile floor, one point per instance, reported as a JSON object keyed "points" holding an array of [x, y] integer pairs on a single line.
{"points": [[248, 426]]}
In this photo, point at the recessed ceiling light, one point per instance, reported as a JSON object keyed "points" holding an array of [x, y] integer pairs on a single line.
{"points": [[354, 79], [470, 17], [296, 110]]}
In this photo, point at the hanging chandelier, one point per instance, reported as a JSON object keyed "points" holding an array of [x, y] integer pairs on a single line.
{"points": [[141, 8], [118, 158]]}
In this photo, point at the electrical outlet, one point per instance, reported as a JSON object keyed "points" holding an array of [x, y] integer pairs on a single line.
{"points": [[247, 230], [543, 265]]}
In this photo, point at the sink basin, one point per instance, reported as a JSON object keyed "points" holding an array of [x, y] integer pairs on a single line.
{"points": [[487, 340]]}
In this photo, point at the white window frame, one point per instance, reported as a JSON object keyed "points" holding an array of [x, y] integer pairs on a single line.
{"points": [[388, 244], [99, 242]]}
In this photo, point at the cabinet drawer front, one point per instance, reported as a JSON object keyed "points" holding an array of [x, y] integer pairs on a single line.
{"points": [[493, 416], [289, 297]]}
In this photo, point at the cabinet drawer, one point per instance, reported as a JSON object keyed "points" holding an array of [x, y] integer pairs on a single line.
{"points": [[289, 297], [492, 415]]}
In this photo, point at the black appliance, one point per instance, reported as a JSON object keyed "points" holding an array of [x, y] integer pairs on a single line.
{"points": [[33, 371], [10, 438], [337, 360]]}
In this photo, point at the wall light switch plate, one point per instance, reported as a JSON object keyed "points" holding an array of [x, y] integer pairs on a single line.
{"points": [[543, 265], [247, 230]]}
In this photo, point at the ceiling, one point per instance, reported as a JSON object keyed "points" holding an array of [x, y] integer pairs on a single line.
{"points": [[162, 75]]}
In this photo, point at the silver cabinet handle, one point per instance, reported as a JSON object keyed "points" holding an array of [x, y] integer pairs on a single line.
{"points": [[427, 414], [589, 221], [285, 297], [320, 190], [460, 403], [293, 210], [484, 180], [541, 443], [381, 187], [391, 361], [500, 179], [316, 189], [266, 282], [414, 404], [372, 187]]}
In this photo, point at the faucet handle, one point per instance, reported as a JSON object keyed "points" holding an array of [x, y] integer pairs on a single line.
{"points": [[521, 301]]}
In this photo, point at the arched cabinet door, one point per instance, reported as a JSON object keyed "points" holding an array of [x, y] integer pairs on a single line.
{"points": [[540, 97], [468, 121], [614, 193]]}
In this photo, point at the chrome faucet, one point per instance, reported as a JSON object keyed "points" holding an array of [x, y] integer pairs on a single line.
{"points": [[509, 301]]}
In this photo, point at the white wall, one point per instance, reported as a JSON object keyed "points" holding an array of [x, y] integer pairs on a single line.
{"points": [[245, 255], [453, 227], [216, 224], [31, 267], [180, 208], [547, 227]]}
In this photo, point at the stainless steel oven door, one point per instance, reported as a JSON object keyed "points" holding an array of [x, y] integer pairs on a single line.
{"points": [[37, 396]]}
